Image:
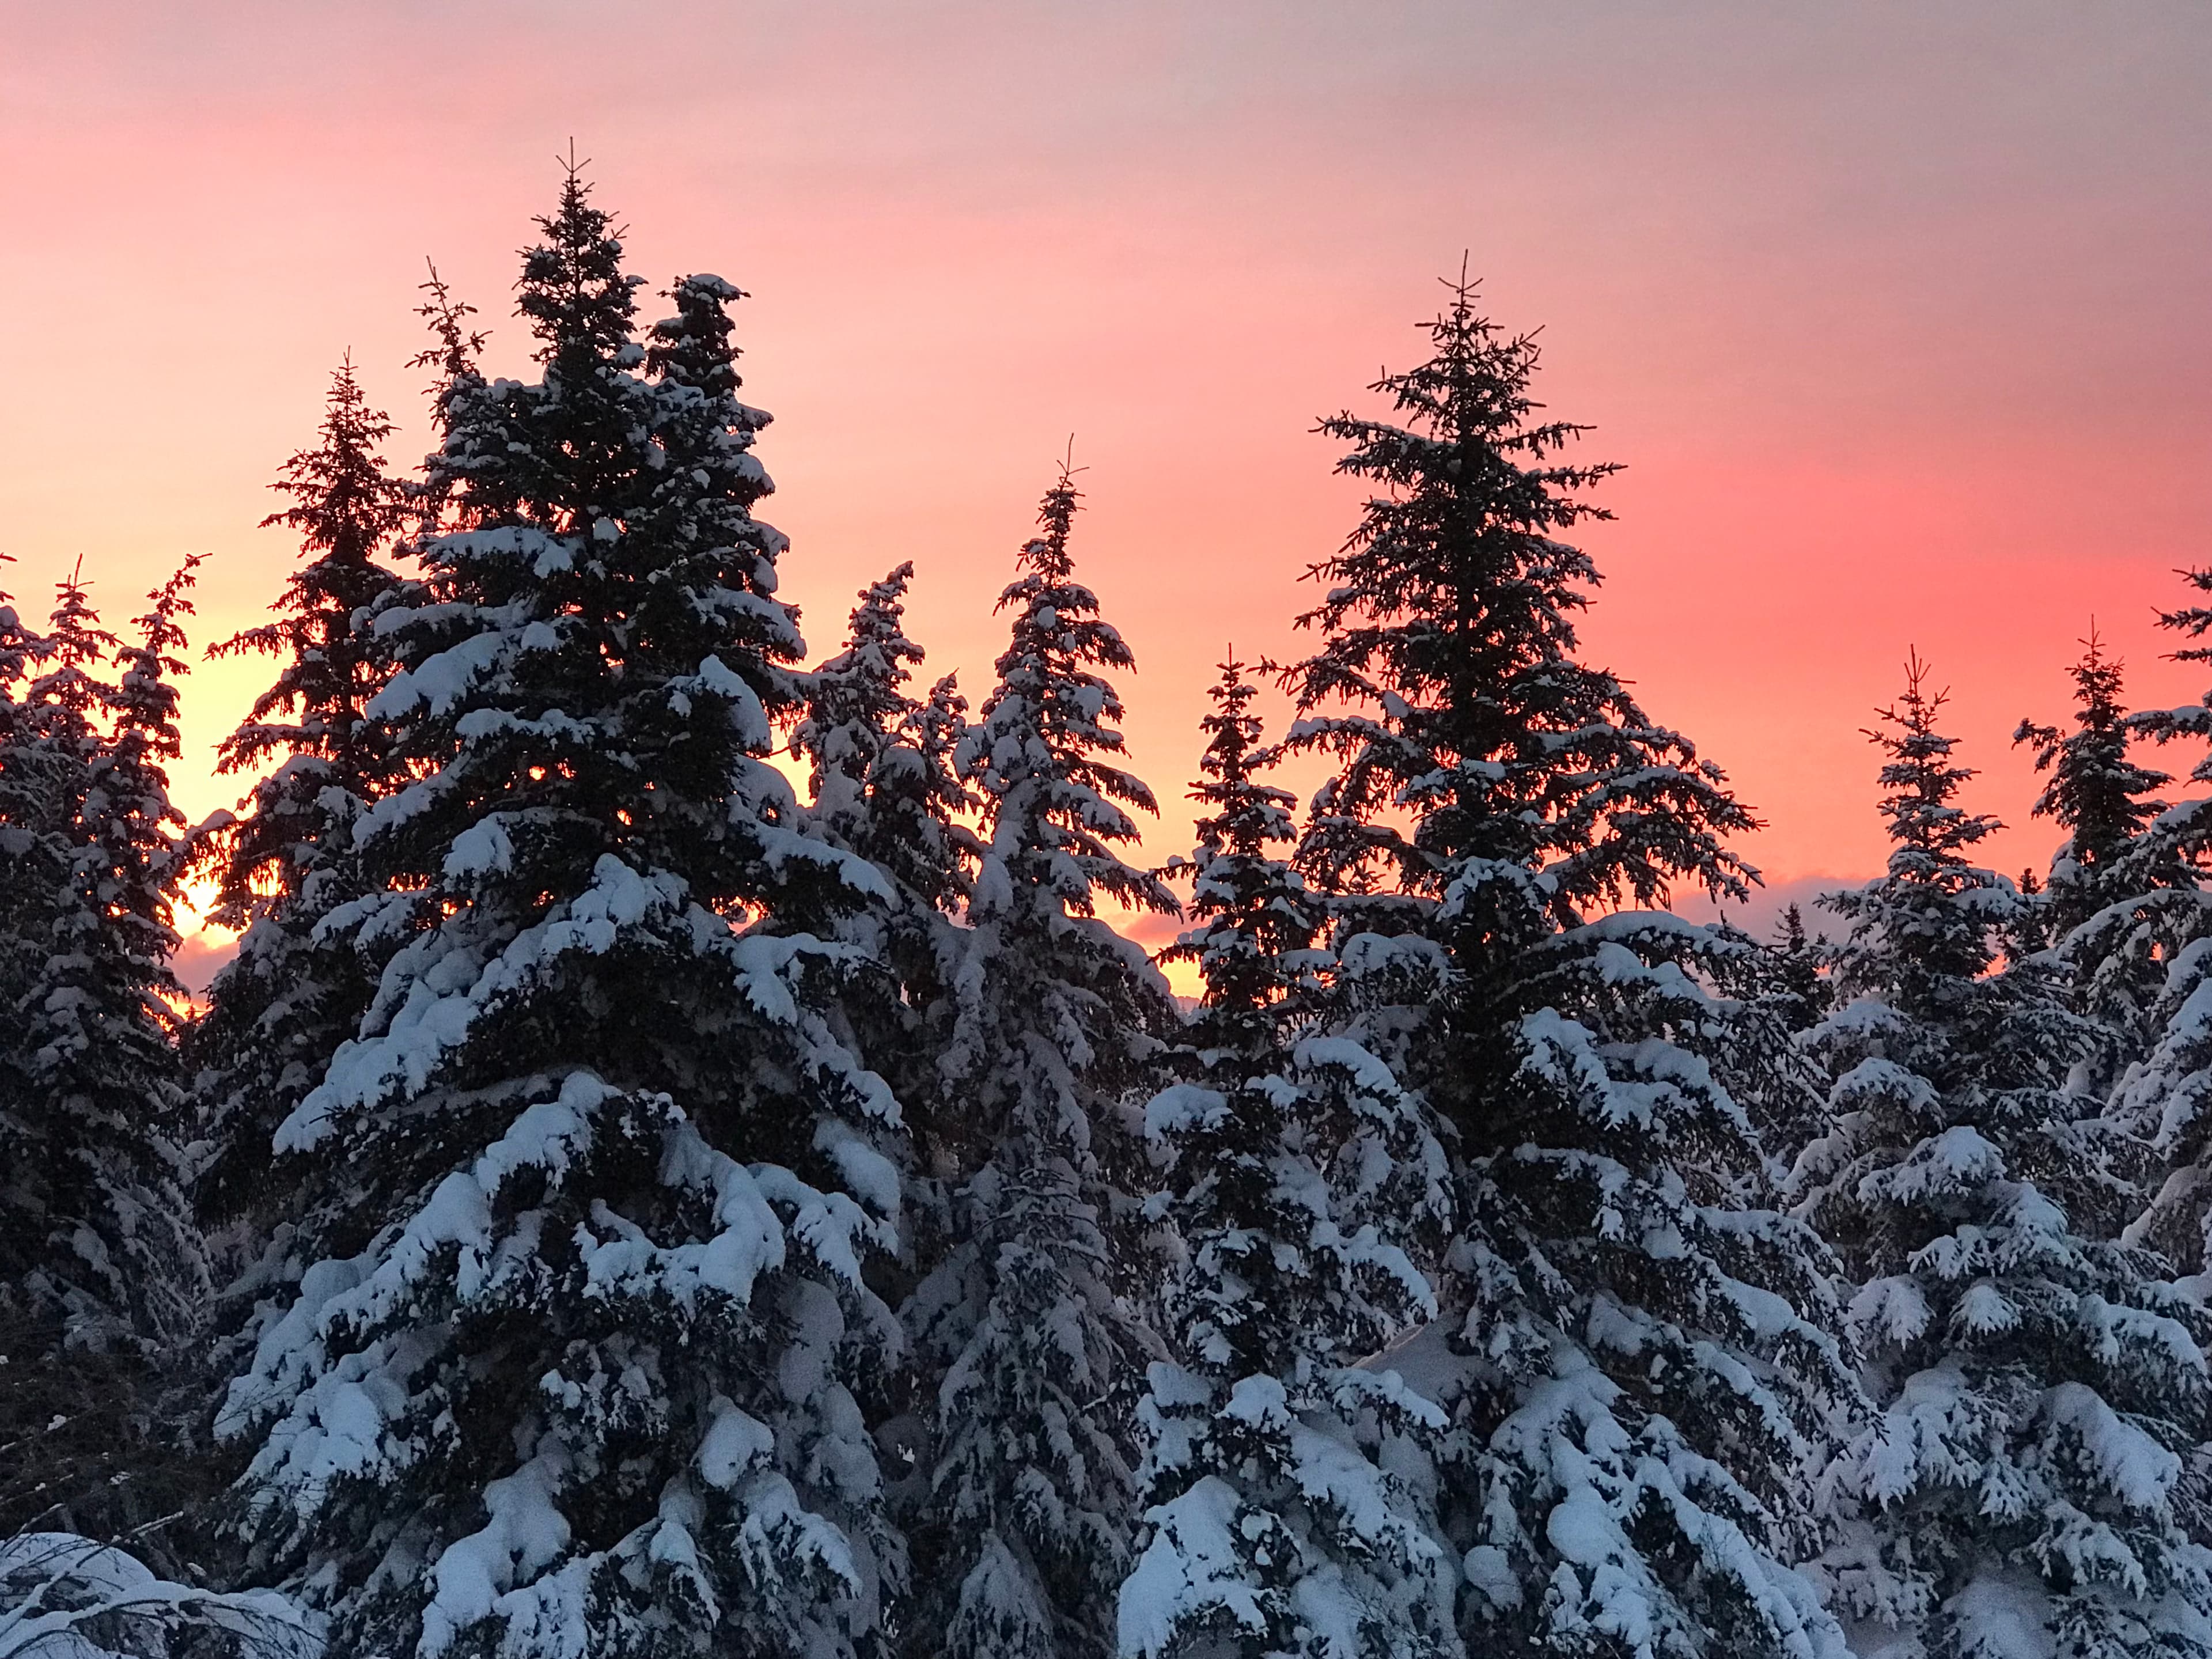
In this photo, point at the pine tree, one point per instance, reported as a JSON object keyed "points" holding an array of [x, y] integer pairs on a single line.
{"points": [[102, 1274], [281, 1007], [1028, 1347], [1307, 1188], [574, 1372], [1634, 1352], [2020, 1488]]}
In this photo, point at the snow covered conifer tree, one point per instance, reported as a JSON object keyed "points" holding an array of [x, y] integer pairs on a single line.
{"points": [[22, 889], [112, 1257], [884, 782], [1636, 1351], [1027, 1341], [574, 1372], [101, 1268], [884, 786], [2097, 792], [2146, 963], [1307, 1187], [279, 1010], [1797, 975], [2019, 1489]]}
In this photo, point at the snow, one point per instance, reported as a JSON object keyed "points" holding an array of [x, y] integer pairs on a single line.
{"points": [[1193, 1566], [736, 1444], [57, 1590], [1179, 1108], [450, 990], [2135, 1468], [525, 1534], [441, 681], [483, 846], [2003, 1616]]}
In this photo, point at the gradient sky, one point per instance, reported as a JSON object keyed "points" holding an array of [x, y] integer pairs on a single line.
{"points": [[1900, 315]]}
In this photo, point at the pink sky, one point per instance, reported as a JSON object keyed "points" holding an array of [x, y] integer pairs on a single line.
{"points": [[1896, 313]]}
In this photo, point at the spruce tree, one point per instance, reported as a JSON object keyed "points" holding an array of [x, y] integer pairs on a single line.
{"points": [[1029, 1345], [1307, 1188], [281, 1007], [2104, 800], [2145, 960], [22, 816], [2038, 1388], [885, 788], [1798, 979], [880, 763], [573, 1370], [455, 357], [1634, 1351], [102, 1274]]}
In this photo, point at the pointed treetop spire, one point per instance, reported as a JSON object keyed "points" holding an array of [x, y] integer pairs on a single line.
{"points": [[2096, 792], [1039, 751], [575, 292], [1446, 686], [1930, 833], [1256, 920], [456, 352]]}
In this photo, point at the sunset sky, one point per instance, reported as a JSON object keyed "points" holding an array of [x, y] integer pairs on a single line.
{"points": [[1898, 315]]}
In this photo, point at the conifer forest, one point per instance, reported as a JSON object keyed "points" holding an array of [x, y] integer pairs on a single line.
{"points": [[684, 1163]]}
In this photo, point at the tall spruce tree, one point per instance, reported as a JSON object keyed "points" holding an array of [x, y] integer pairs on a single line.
{"points": [[2020, 1489], [2146, 959], [1307, 1188], [278, 1012], [572, 1373], [1029, 1340], [101, 1272], [23, 794], [1636, 1354], [886, 787]]}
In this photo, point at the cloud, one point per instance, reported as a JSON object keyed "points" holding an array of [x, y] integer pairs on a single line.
{"points": [[199, 959], [1762, 916]]}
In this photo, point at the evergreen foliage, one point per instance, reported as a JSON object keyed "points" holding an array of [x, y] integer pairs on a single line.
{"points": [[100, 1244], [1028, 1337], [102, 1279], [2038, 1386], [881, 767], [23, 813], [1637, 1364], [886, 787], [1799, 979], [2097, 792], [572, 1372], [663, 1213], [1308, 1189], [2146, 961], [291, 995]]}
